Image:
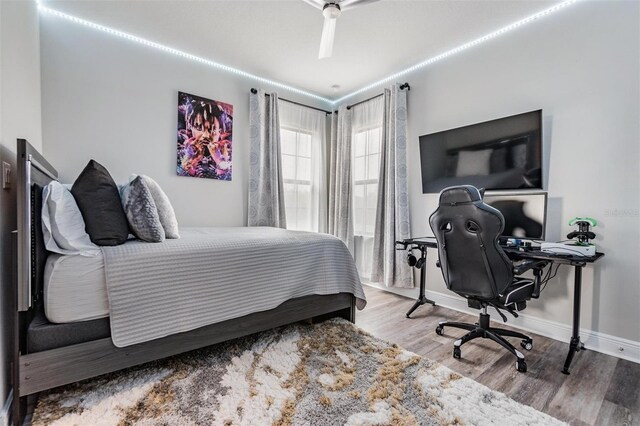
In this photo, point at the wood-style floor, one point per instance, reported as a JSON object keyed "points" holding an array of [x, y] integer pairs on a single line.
{"points": [[601, 389]]}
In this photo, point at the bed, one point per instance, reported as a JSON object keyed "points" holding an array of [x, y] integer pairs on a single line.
{"points": [[80, 317]]}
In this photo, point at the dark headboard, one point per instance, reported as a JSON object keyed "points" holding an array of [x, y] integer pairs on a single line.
{"points": [[34, 172]]}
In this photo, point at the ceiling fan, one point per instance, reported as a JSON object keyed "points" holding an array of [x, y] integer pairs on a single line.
{"points": [[331, 10]]}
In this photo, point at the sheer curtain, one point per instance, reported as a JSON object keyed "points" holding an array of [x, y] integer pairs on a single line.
{"points": [[266, 192], [392, 219], [366, 132], [340, 220], [303, 143]]}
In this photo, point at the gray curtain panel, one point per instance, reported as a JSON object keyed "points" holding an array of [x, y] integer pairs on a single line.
{"points": [[392, 215], [266, 191], [340, 215]]}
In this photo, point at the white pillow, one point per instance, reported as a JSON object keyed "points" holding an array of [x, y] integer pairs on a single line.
{"points": [[62, 224], [471, 163]]}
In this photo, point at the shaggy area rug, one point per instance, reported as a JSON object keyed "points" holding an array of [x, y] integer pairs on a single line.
{"points": [[331, 373]]}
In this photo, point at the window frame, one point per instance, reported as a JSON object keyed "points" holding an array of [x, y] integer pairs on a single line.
{"points": [[309, 183], [366, 181]]}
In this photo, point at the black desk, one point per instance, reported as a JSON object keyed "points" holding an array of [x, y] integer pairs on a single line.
{"points": [[514, 253], [578, 262]]}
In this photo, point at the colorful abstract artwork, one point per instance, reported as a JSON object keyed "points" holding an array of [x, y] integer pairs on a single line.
{"points": [[205, 135]]}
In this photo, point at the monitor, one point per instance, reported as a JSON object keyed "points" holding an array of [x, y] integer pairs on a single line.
{"points": [[501, 154], [525, 213]]}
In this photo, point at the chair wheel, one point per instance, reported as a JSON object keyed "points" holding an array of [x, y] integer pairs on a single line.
{"points": [[527, 344], [521, 366], [456, 352], [439, 330]]}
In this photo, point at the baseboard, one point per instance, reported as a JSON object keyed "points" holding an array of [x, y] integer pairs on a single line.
{"points": [[5, 415], [593, 340]]}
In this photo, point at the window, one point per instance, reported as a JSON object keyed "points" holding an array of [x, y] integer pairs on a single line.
{"points": [[296, 174], [302, 145], [366, 168]]}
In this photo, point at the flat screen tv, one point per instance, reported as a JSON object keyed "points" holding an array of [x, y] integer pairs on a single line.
{"points": [[496, 155]]}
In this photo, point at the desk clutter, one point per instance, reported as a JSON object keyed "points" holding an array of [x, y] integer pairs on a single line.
{"points": [[484, 246]]}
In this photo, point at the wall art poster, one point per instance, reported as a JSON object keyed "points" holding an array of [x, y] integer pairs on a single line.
{"points": [[205, 135]]}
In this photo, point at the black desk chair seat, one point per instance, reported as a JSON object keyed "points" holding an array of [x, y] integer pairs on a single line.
{"points": [[474, 266]]}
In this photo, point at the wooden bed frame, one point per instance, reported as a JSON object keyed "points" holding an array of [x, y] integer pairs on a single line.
{"points": [[39, 371]]}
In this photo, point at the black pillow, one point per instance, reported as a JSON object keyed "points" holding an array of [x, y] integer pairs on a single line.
{"points": [[98, 198]]}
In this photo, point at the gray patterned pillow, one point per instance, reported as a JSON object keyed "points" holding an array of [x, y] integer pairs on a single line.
{"points": [[165, 209], [141, 212]]}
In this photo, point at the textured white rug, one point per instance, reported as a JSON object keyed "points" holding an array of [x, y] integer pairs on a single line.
{"points": [[326, 374]]}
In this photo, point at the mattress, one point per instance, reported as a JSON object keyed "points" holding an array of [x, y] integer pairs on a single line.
{"points": [[75, 288], [43, 335]]}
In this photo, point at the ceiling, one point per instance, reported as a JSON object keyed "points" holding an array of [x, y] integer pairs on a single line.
{"points": [[279, 39]]}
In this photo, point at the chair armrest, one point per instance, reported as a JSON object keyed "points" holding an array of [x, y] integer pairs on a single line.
{"points": [[537, 266], [528, 265]]}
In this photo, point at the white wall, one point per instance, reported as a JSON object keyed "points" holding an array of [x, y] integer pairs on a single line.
{"points": [[20, 75], [19, 118], [581, 66], [116, 102]]}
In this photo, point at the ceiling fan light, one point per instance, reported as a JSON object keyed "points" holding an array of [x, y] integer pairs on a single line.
{"points": [[331, 10]]}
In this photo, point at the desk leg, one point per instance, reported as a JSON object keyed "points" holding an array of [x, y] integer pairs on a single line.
{"points": [[422, 299], [575, 345]]}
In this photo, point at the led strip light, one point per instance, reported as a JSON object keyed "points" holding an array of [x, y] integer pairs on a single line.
{"points": [[460, 48], [392, 77], [176, 52]]}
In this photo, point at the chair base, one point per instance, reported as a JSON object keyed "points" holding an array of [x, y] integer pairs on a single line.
{"points": [[482, 330]]}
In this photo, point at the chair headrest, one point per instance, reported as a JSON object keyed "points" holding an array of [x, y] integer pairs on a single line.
{"points": [[460, 194]]}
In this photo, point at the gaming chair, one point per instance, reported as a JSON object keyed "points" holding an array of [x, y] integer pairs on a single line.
{"points": [[475, 267]]}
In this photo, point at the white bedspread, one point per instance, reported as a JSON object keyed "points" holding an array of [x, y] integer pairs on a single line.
{"points": [[215, 274]]}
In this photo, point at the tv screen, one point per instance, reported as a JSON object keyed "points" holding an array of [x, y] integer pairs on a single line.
{"points": [[499, 154]]}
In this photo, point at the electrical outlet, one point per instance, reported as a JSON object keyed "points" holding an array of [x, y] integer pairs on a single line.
{"points": [[6, 175]]}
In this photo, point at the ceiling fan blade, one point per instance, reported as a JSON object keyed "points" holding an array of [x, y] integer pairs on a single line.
{"points": [[326, 43], [318, 4], [349, 4]]}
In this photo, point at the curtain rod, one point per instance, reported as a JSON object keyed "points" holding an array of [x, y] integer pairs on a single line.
{"points": [[402, 87], [254, 91]]}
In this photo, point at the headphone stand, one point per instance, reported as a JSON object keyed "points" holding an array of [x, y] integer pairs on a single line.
{"points": [[422, 298]]}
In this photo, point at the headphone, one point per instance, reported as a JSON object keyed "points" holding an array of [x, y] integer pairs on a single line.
{"points": [[414, 261]]}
